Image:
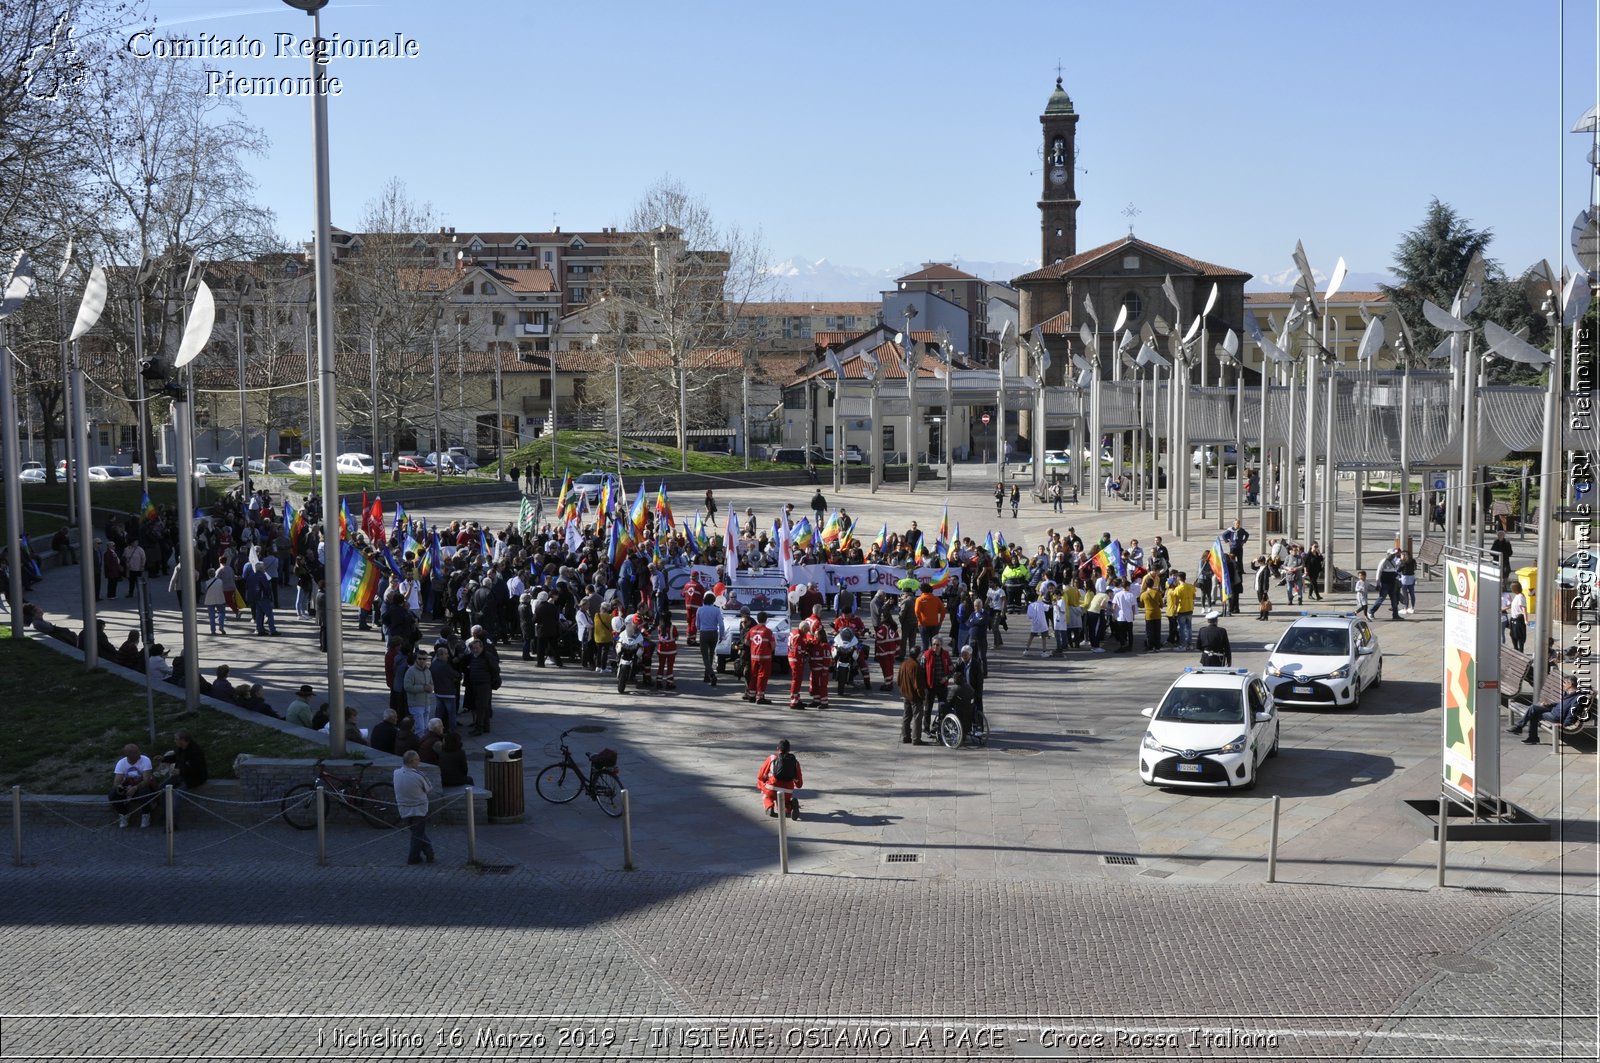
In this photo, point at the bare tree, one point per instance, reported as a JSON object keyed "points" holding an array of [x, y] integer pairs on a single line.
{"points": [[393, 297], [168, 164], [695, 277]]}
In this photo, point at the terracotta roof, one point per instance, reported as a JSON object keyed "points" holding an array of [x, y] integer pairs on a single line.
{"points": [[939, 271], [782, 367], [1060, 325], [889, 357], [1128, 243], [722, 358], [525, 281]]}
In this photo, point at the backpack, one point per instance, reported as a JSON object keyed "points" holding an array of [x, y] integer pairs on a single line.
{"points": [[784, 768]]}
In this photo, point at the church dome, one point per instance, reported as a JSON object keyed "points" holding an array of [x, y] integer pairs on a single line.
{"points": [[1060, 102]]}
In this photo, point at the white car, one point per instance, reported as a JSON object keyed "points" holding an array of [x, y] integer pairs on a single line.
{"points": [[766, 596], [1057, 457], [1213, 729], [359, 464], [588, 486], [103, 473], [32, 476], [1578, 571], [1324, 660]]}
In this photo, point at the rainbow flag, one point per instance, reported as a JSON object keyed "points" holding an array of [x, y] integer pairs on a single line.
{"points": [[288, 520], [663, 508], [943, 581], [1109, 559], [389, 561], [566, 486], [27, 554], [944, 523], [831, 530], [358, 583], [803, 534], [955, 544], [699, 536], [636, 515], [988, 544], [882, 541], [846, 536], [921, 553], [1217, 559], [1000, 539], [483, 544], [401, 521], [607, 496], [344, 520], [147, 508]]}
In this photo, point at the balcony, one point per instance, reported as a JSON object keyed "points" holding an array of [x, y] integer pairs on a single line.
{"points": [[532, 329]]}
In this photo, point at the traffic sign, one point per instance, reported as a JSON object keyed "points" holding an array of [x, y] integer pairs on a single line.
{"points": [[1438, 483], [985, 418]]}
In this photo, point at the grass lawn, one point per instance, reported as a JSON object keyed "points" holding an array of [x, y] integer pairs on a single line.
{"points": [[65, 727], [120, 495], [38, 527], [582, 451]]}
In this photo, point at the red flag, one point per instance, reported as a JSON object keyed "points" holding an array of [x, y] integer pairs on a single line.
{"points": [[375, 521]]}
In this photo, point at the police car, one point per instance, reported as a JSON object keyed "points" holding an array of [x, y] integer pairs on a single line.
{"points": [[1213, 729], [1324, 660]]}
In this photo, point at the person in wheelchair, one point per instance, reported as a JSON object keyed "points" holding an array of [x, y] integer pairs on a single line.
{"points": [[961, 702]]}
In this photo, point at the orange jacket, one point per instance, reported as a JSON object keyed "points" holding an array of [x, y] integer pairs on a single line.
{"points": [[929, 610]]}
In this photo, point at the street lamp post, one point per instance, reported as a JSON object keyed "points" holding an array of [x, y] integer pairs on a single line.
{"points": [[438, 442], [327, 378], [908, 350], [499, 416]]}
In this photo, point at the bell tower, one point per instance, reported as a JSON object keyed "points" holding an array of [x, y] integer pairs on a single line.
{"points": [[1058, 209]]}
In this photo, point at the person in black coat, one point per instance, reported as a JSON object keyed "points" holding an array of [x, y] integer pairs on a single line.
{"points": [[525, 624], [547, 628], [483, 676]]}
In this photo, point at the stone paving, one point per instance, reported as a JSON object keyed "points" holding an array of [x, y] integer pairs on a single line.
{"points": [[1009, 909]]}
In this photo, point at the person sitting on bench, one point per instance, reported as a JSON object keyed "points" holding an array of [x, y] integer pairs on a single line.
{"points": [[1563, 713]]}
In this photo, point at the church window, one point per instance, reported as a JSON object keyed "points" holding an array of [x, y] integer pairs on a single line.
{"points": [[1134, 304]]}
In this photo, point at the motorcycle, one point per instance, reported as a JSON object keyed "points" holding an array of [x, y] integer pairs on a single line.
{"points": [[627, 661], [846, 664]]}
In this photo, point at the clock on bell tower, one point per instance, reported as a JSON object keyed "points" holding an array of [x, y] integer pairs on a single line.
{"points": [[1058, 209]]}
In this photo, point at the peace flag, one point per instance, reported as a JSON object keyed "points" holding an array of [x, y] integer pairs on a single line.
{"points": [[1109, 559], [147, 508], [882, 541], [663, 508], [636, 516], [1218, 560], [566, 485], [944, 523]]}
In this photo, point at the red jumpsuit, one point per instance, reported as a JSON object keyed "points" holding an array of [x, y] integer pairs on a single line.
{"points": [[888, 646], [761, 642], [821, 662], [799, 654], [766, 783], [666, 652], [693, 596]]}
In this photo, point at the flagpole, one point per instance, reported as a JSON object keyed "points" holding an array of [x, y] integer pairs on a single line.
{"points": [[13, 488]]}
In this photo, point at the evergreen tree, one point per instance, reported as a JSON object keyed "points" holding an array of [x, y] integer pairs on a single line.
{"points": [[1431, 262]]}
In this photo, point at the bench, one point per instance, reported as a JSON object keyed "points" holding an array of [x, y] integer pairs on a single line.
{"points": [[1549, 693], [1514, 669], [1428, 555]]}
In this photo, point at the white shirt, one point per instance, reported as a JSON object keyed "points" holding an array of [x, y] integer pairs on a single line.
{"points": [[1038, 617], [134, 771], [1125, 605]]}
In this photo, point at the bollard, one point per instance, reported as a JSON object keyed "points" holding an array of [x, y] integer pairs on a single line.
{"points": [[1444, 830], [322, 827], [16, 825], [169, 808], [627, 833], [1272, 846], [783, 829], [472, 828]]}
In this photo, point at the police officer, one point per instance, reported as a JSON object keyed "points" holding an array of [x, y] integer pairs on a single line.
{"points": [[1213, 642]]}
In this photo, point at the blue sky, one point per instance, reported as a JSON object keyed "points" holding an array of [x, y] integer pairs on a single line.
{"points": [[875, 134]]}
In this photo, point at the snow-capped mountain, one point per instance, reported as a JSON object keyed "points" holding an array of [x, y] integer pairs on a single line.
{"points": [[1284, 281]]}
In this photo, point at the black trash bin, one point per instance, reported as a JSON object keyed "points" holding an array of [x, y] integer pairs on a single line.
{"points": [[502, 775]]}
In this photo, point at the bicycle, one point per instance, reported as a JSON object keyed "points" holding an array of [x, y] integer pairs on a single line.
{"points": [[563, 781], [374, 803]]}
